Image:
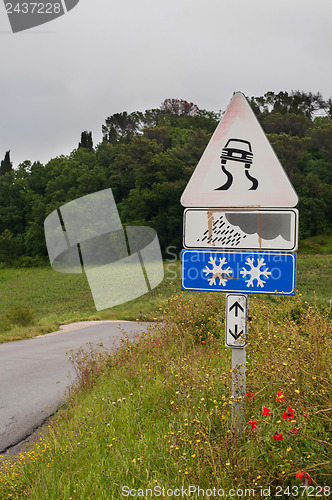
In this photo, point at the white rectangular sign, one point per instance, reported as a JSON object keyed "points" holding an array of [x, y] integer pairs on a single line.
{"points": [[238, 229], [236, 320]]}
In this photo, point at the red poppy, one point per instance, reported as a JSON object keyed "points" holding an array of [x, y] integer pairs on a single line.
{"points": [[265, 411], [294, 431], [278, 437], [280, 397], [249, 395], [306, 414], [304, 475], [253, 424], [289, 414]]}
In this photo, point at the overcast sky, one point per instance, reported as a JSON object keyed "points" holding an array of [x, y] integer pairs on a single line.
{"points": [[105, 57]]}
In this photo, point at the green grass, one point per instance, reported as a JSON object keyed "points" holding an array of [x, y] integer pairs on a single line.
{"points": [[158, 412], [54, 298]]}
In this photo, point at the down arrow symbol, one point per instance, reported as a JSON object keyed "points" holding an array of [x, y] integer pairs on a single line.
{"points": [[235, 335]]}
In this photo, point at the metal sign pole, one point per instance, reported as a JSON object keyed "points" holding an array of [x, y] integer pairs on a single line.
{"points": [[236, 338], [238, 387]]}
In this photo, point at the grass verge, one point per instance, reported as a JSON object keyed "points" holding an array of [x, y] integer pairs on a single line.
{"points": [[157, 413]]}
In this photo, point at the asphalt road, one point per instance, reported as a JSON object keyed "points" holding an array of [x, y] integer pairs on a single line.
{"points": [[35, 373]]}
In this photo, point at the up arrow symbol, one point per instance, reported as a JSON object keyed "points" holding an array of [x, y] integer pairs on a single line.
{"points": [[235, 335], [237, 306]]}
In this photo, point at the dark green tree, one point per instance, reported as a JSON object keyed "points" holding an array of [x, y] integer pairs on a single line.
{"points": [[86, 140], [6, 165], [8, 247], [122, 126]]}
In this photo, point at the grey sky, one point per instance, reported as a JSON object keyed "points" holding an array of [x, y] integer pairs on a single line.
{"points": [[105, 57]]}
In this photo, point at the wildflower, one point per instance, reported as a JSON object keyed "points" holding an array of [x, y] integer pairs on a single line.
{"points": [[289, 414], [280, 397], [304, 475], [305, 413], [249, 395], [265, 411], [294, 431], [253, 424], [278, 437]]}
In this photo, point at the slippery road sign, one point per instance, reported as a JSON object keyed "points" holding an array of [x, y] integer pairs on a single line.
{"points": [[239, 167]]}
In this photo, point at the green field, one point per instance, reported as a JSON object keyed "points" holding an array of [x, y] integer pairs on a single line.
{"points": [[38, 300], [157, 413]]}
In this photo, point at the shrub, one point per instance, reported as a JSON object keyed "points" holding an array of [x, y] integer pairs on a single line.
{"points": [[20, 315]]}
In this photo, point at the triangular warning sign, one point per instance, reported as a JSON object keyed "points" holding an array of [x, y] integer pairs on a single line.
{"points": [[239, 167]]}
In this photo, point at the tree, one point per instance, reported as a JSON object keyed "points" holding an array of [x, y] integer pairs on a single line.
{"points": [[86, 140], [297, 102], [122, 126], [8, 247], [6, 165], [178, 107]]}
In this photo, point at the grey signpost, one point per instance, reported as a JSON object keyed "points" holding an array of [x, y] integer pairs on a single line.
{"points": [[240, 229], [236, 334]]}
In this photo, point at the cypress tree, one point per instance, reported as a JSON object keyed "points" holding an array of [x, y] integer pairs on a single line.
{"points": [[86, 140], [6, 165]]}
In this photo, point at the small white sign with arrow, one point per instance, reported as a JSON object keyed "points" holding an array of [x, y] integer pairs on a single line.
{"points": [[236, 320]]}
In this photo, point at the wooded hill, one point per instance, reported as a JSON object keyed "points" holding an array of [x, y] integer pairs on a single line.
{"points": [[147, 159]]}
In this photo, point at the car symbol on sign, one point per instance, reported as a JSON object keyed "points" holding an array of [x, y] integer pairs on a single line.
{"points": [[232, 152], [237, 150]]}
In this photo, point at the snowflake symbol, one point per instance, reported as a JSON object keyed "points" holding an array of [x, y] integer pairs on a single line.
{"points": [[217, 271], [255, 272]]}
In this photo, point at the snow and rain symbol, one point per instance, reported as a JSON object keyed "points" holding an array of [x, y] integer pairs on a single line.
{"points": [[239, 229], [121, 263], [24, 15]]}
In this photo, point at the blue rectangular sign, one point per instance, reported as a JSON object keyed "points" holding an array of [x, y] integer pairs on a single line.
{"points": [[249, 272]]}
